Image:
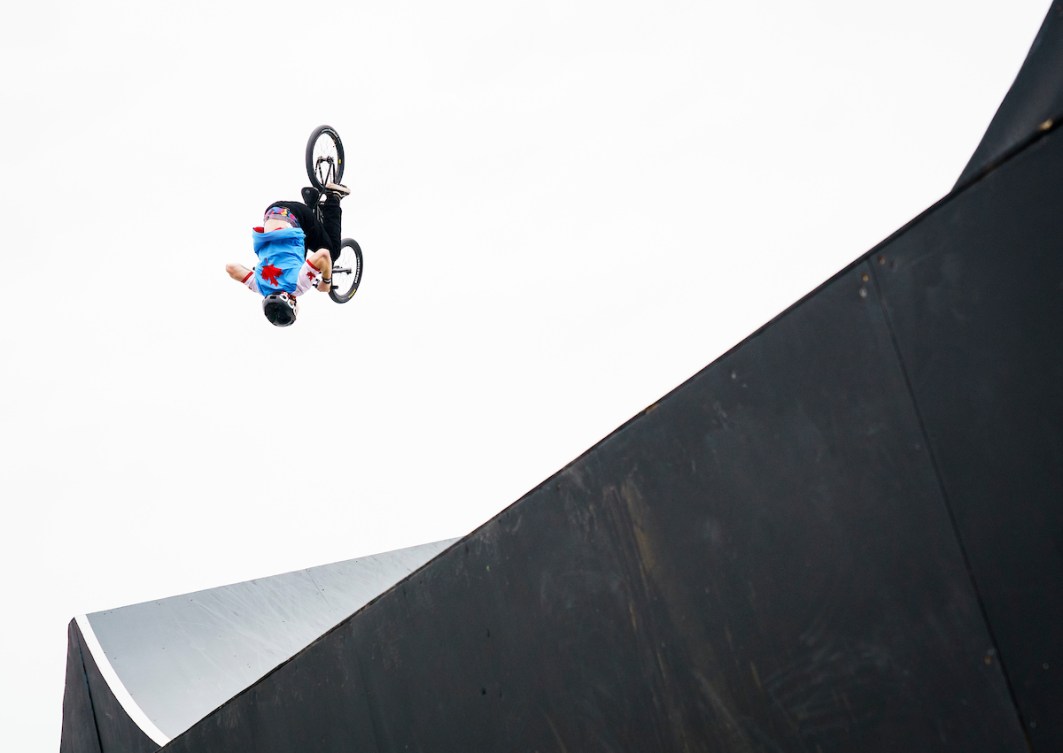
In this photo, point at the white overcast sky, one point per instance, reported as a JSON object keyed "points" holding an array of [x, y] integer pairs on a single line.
{"points": [[567, 209]]}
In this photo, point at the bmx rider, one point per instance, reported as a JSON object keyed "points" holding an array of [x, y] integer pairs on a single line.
{"points": [[287, 267]]}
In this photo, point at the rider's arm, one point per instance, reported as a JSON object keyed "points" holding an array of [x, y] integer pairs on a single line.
{"points": [[322, 262], [238, 272], [242, 274]]}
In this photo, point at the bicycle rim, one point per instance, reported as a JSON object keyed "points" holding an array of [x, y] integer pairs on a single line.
{"points": [[324, 157], [346, 272]]}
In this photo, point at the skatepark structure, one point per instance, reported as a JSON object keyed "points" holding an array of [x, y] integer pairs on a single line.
{"points": [[161, 666], [845, 534]]}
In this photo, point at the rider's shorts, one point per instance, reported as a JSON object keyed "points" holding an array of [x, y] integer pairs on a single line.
{"points": [[281, 213]]}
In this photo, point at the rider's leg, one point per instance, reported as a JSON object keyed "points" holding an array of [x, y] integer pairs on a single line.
{"points": [[331, 214]]}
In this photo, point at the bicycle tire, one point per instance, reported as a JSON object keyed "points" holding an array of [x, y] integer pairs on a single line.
{"points": [[346, 271], [324, 157]]}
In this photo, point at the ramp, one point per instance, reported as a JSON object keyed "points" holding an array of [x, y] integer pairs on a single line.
{"points": [[1034, 100], [139, 675]]}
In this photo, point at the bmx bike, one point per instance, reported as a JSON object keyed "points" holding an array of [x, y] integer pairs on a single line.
{"points": [[324, 164]]}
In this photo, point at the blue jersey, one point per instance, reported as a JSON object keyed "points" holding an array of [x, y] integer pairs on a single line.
{"points": [[280, 256]]}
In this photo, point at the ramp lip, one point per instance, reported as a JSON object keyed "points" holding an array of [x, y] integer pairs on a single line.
{"points": [[118, 688]]}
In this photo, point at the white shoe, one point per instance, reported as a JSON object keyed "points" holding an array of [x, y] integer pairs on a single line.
{"points": [[337, 190]]}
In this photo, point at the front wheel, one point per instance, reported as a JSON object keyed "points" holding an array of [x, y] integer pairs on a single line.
{"points": [[324, 157], [346, 271]]}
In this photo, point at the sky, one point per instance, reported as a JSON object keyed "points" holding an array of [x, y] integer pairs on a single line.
{"points": [[566, 209]]}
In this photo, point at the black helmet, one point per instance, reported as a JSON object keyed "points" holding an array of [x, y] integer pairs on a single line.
{"points": [[280, 308]]}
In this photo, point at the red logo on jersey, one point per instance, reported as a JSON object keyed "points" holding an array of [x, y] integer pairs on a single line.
{"points": [[270, 274]]}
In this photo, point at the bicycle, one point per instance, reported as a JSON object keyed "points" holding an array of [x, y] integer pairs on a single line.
{"points": [[324, 164]]}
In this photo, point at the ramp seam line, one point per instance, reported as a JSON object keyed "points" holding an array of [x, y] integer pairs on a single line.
{"points": [[939, 480], [88, 691]]}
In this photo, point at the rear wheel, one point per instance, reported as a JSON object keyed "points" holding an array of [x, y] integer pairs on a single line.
{"points": [[324, 157], [346, 271]]}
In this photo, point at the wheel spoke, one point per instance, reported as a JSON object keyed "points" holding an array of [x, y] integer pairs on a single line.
{"points": [[324, 157]]}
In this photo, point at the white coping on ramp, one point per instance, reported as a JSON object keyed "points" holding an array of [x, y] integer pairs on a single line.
{"points": [[115, 683], [173, 661]]}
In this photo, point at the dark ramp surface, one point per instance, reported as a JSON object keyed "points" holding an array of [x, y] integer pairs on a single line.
{"points": [[844, 535], [975, 297], [1035, 96]]}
